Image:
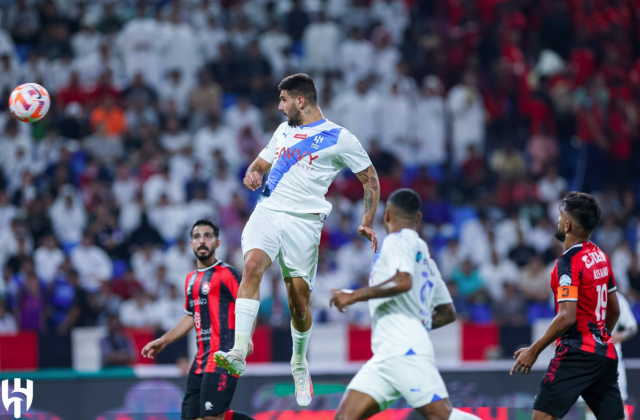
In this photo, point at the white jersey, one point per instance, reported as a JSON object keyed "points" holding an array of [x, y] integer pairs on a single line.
{"points": [[626, 321], [305, 160], [400, 323]]}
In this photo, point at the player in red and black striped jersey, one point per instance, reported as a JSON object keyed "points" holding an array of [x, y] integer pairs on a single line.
{"points": [[210, 294], [587, 309]]}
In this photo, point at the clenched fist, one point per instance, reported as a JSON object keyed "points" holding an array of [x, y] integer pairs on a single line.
{"points": [[253, 181]]}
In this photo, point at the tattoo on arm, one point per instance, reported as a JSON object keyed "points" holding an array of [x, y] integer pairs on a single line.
{"points": [[369, 179]]}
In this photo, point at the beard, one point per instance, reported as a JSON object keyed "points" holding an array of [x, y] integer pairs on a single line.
{"points": [[560, 235], [294, 117], [204, 257]]}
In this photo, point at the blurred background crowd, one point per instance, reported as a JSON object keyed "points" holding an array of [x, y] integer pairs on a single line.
{"points": [[490, 109]]}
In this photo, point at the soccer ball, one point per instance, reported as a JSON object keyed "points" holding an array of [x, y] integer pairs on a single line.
{"points": [[29, 102]]}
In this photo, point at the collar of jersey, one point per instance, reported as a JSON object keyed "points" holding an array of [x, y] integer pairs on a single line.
{"points": [[314, 124], [212, 265], [576, 245]]}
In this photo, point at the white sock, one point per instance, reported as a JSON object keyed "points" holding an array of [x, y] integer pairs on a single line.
{"points": [[300, 345], [461, 415], [246, 312]]}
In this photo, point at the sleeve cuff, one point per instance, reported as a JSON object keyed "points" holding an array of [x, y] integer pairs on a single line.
{"points": [[188, 313], [613, 289], [567, 300]]}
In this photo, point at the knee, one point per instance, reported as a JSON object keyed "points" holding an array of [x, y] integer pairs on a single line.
{"points": [[298, 308], [253, 270]]}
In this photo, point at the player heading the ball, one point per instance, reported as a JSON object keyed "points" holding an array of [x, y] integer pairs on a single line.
{"points": [[304, 155]]}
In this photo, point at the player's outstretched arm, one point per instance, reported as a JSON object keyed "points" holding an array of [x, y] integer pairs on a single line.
{"points": [[565, 318], [399, 283], [183, 327], [443, 315], [255, 172], [369, 179]]}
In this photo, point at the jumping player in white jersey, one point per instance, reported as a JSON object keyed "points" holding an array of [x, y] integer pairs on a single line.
{"points": [[405, 286], [304, 155]]}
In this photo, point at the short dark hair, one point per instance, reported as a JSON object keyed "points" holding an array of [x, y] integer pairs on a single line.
{"points": [[406, 200], [583, 208], [300, 85], [205, 222]]}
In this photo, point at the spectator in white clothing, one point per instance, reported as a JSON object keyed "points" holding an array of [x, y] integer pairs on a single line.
{"points": [[394, 14], [141, 46], [386, 55], [244, 114], [124, 187], [551, 186], [8, 323], [396, 119], [223, 186], [215, 136], [321, 57], [174, 138], [145, 263], [174, 92], [355, 250], [92, 264], [179, 261], [138, 312], [496, 272], [181, 49], [48, 258], [168, 218], [86, 41], [161, 184], [68, 216], [359, 109], [431, 123], [211, 38], [356, 56], [169, 309], [272, 43], [466, 107]]}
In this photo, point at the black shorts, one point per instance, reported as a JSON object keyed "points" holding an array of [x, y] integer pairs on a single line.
{"points": [[208, 394], [573, 373]]}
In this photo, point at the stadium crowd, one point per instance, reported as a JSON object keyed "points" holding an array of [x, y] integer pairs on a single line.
{"points": [[490, 109]]}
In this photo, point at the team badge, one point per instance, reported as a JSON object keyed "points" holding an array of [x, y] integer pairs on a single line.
{"points": [[205, 288], [565, 280]]}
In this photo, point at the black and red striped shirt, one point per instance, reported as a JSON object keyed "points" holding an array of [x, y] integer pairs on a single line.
{"points": [[210, 297], [583, 274]]}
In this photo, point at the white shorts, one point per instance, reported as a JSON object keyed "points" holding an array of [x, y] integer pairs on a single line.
{"points": [[415, 378], [292, 237], [622, 380]]}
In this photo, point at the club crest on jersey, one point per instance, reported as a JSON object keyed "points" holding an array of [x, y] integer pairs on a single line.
{"points": [[300, 136], [205, 288], [565, 280], [316, 142]]}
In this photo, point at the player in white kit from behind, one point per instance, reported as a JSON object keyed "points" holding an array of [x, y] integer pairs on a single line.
{"points": [[404, 287], [304, 155]]}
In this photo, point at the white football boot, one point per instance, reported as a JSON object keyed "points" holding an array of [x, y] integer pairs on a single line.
{"points": [[304, 387], [231, 361]]}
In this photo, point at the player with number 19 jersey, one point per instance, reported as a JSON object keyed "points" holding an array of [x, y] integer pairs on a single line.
{"points": [[583, 274]]}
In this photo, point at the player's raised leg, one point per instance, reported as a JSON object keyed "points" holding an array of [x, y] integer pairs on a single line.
{"points": [[256, 261], [298, 293], [356, 405]]}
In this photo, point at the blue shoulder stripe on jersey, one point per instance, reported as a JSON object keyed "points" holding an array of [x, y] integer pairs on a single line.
{"points": [[314, 124], [289, 156]]}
